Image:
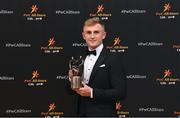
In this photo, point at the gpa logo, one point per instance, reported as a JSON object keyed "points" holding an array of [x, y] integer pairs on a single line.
{"points": [[52, 112], [100, 12], [120, 111], [34, 14], [117, 46], [35, 81], [167, 12], [167, 78], [51, 47]]}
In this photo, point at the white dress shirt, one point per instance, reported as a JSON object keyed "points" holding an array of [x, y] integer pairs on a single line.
{"points": [[89, 63]]}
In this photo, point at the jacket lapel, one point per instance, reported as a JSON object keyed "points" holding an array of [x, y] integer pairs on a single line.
{"points": [[99, 61]]}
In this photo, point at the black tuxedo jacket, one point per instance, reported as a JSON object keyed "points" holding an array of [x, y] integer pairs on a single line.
{"points": [[108, 82]]}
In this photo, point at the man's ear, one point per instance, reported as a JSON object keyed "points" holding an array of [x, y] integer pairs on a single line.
{"points": [[104, 35], [83, 35]]}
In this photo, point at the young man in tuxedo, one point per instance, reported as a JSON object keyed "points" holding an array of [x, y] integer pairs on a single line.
{"points": [[103, 76]]}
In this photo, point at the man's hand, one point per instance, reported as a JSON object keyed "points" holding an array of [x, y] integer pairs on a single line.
{"points": [[70, 74], [73, 72], [84, 91]]}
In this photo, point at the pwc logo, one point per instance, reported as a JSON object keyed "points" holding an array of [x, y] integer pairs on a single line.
{"points": [[167, 12], [167, 78], [117, 46], [52, 111], [51, 47], [100, 12], [119, 107], [35, 81], [34, 14]]}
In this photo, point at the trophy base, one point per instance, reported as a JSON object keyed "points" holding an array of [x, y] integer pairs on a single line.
{"points": [[76, 82]]}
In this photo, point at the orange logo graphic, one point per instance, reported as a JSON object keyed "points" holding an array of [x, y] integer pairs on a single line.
{"points": [[51, 112], [116, 46], [51, 42], [117, 41], [167, 73], [51, 47], [35, 74], [51, 107], [167, 78], [121, 112], [167, 7], [34, 15], [100, 13], [34, 9], [118, 106], [167, 12], [35, 80], [100, 8]]}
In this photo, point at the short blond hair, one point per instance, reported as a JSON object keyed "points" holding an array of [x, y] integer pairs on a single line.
{"points": [[94, 21]]}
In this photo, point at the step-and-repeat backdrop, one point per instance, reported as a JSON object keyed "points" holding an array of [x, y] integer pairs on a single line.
{"points": [[39, 37]]}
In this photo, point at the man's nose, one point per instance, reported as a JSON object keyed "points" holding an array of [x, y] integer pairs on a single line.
{"points": [[92, 35]]}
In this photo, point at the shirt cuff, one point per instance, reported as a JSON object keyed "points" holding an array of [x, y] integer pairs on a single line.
{"points": [[91, 93]]}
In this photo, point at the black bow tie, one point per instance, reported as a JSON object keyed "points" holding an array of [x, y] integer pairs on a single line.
{"points": [[91, 52]]}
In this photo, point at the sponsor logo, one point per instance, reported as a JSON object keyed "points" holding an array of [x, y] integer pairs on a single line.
{"points": [[177, 113], [120, 111], [177, 47], [101, 13], [167, 78], [35, 81], [34, 14], [167, 12], [51, 47], [52, 111], [117, 46]]}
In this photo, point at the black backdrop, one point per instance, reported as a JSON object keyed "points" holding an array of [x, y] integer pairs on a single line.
{"points": [[33, 71]]}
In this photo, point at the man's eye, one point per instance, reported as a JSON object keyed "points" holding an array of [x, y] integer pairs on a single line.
{"points": [[96, 32], [88, 32]]}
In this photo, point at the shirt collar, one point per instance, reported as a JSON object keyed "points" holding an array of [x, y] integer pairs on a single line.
{"points": [[98, 49]]}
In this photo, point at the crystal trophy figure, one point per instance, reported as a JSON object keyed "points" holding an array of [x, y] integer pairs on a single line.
{"points": [[76, 65]]}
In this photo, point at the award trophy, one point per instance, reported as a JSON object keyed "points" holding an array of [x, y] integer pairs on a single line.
{"points": [[76, 65]]}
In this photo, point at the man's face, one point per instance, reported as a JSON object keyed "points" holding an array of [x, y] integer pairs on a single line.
{"points": [[93, 35]]}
